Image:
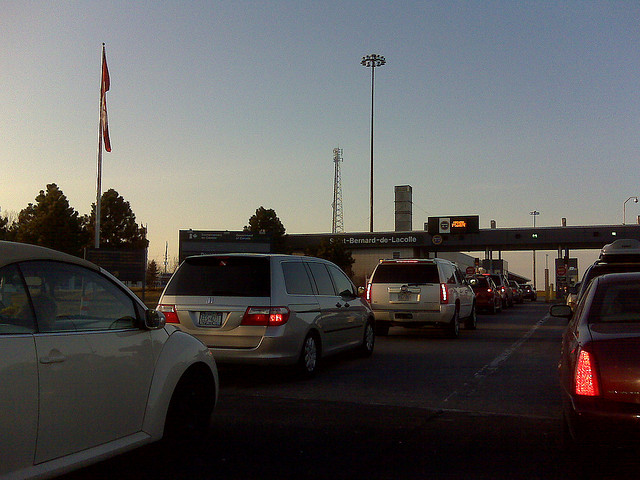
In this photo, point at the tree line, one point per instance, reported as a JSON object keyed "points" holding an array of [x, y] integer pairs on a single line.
{"points": [[52, 222]]}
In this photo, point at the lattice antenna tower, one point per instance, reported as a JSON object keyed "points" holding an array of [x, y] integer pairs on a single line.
{"points": [[337, 225]]}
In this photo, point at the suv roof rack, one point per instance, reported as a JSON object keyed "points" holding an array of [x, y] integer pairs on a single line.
{"points": [[623, 250]]}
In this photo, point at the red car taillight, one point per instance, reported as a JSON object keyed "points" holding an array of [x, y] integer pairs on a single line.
{"points": [[586, 378], [444, 293], [266, 316], [169, 312]]}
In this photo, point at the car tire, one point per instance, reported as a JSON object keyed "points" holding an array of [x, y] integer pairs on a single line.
{"points": [[382, 329], [453, 330], [493, 309], [368, 340], [309, 356], [471, 322], [190, 409]]}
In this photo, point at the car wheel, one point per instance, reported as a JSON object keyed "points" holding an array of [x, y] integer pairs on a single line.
{"points": [[190, 408], [382, 329], [309, 357], [493, 309], [454, 326], [471, 321], [369, 340]]}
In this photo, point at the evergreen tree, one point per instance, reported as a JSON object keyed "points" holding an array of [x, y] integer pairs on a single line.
{"points": [[335, 252], [52, 222], [153, 273], [118, 227], [266, 221]]}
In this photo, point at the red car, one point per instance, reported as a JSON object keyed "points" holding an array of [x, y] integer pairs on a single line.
{"points": [[600, 362], [488, 296]]}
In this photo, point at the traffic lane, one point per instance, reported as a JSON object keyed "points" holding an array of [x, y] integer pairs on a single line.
{"points": [[521, 378], [424, 369], [276, 438], [269, 425]]}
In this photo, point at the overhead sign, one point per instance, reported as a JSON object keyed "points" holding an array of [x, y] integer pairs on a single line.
{"points": [[453, 224]]}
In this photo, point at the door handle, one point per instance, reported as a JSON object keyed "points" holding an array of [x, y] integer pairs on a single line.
{"points": [[54, 357]]}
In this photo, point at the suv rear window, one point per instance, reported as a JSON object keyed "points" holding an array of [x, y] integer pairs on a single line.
{"points": [[414, 273], [601, 269], [222, 276]]}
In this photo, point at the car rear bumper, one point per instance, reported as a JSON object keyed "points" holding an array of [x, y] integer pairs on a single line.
{"points": [[277, 346], [415, 318], [600, 421]]}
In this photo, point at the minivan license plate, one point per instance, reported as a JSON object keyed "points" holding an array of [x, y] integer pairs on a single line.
{"points": [[210, 319], [404, 296]]}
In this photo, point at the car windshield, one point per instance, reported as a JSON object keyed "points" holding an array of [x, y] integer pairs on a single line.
{"points": [[416, 273], [616, 302], [479, 282], [222, 276]]}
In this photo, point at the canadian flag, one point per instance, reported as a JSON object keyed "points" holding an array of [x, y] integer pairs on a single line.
{"points": [[104, 88]]}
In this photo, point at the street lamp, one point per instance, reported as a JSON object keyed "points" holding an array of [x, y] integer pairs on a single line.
{"points": [[372, 61], [534, 214], [624, 208]]}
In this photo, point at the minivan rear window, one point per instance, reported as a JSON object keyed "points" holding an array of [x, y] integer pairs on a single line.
{"points": [[416, 273], [222, 276]]}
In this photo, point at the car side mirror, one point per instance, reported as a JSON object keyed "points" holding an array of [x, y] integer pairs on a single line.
{"points": [[154, 320], [348, 294], [561, 311]]}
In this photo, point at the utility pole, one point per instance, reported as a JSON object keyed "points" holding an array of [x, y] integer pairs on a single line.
{"points": [[337, 224]]}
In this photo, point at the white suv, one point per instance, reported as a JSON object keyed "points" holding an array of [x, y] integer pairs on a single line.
{"points": [[420, 292]]}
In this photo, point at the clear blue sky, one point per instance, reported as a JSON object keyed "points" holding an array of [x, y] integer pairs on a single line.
{"points": [[493, 108]]}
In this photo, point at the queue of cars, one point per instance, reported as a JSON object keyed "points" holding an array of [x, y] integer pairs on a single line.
{"points": [[495, 293], [72, 335]]}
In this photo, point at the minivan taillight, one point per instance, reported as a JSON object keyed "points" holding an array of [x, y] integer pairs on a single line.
{"points": [[444, 293], [265, 316], [586, 378], [169, 312]]}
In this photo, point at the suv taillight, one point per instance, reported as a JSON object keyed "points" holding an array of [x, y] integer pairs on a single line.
{"points": [[586, 378], [266, 316], [169, 312], [368, 293], [444, 293]]}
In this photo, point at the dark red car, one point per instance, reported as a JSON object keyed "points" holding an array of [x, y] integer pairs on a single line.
{"points": [[600, 362], [488, 296]]}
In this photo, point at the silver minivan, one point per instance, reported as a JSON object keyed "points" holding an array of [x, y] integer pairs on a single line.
{"points": [[268, 308]]}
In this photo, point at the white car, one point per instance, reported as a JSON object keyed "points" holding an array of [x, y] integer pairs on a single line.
{"points": [[86, 371], [417, 292]]}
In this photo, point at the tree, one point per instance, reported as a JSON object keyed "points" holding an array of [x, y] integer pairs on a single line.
{"points": [[51, 222], [335, 252], [153, 272], [118, 227], [266, 221]]}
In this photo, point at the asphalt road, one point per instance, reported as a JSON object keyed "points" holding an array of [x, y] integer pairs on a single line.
{"points": [[484, 406]]}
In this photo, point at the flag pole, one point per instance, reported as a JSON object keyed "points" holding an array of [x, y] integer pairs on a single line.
{"points": [[99, 181]]}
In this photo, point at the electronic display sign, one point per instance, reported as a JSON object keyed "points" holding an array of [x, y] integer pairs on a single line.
{"points": [[453, 224]]}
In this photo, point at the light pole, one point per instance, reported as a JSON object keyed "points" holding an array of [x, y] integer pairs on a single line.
{"points": [[624, 208], [534, 214], [372, 61]]}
